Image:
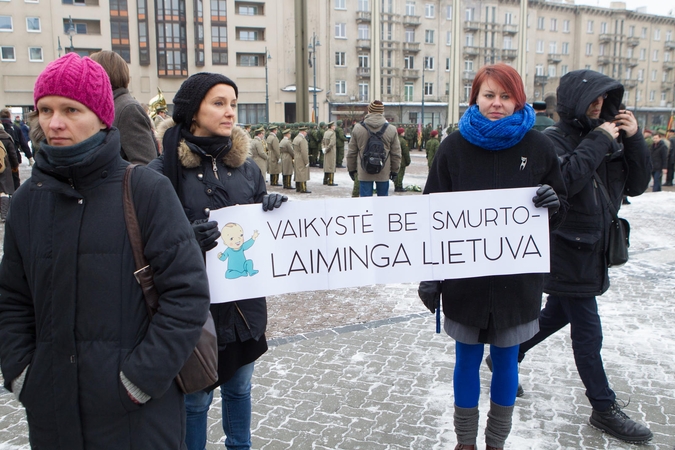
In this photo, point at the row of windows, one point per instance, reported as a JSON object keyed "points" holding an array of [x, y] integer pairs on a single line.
{"points": [[32, 24], [388, 7], [8, 53]]}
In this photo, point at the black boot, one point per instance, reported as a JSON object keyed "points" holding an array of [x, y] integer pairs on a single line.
{"points": [[303, 188], [331, 179], [618, 424], [287, 182], [298, 186], [274, 180], [325, 178]]}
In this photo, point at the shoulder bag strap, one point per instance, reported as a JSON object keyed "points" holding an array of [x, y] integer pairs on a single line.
{"points": [[143, 273], [612, 209]]}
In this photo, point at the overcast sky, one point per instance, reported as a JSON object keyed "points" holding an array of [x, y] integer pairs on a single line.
{"points": [[660, 7]]}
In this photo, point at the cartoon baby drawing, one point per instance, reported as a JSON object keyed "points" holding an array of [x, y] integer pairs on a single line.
{"points": [[233, 238]]}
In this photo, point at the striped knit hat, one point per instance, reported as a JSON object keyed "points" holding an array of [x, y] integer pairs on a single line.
{"points": [[376, 107], [79, 79]]}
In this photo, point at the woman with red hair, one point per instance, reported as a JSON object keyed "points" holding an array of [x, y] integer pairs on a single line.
{"points": [[494, 148]]}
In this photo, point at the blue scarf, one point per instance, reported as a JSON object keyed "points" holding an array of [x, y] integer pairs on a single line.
{"points": [[499, 134]]}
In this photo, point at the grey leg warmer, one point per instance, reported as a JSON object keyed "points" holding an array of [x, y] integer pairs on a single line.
{"points": [[466, 425], [498, 425]]}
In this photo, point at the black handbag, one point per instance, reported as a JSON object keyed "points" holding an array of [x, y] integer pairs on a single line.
{"points": [[619, 232], [201, 369]]}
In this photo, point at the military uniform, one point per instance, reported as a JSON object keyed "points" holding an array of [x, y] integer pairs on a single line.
{"points": [[286, 150], [329, 144], [313, 143], [273, 158], [258, 152], [340, 140], [432, 147], [405, 162], [301, 162]]}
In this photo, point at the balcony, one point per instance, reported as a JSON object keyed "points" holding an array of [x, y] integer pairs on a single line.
{"points": [[363, 72], [509, 53], [414, 21], [363, 44], [411, 73], [629, 84], [554, 58], [670, 45], [603, 60], [630, 62], [389, 44], [363, 16], [471, 51], [390, 72], [509, 29], [412, 47], [605, 38], [468, 75], [668, 65], [667, 85], [540, 80], [472, 26], [633, 41]]}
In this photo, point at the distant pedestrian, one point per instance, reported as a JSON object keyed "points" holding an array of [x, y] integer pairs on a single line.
{"points": [[671, 158], [495, 136], [375, 121], [604, 157], [77, 345], [542, 121], [136, 131], [20, 142], [659, 155], [10, 164]]}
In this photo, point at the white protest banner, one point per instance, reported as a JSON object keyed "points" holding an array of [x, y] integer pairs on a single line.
{"points": [[336, 243]]}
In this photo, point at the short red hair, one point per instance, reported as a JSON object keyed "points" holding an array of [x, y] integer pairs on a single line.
{"points": [[506, 76]]}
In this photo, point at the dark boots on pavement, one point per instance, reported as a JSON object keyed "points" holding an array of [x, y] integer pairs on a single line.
{"points": [[618, 424]]}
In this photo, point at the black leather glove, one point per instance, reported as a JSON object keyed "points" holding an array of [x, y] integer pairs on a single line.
{"points": [[271, 201], [206, 233], [546, 198], [430, 293], [352, 174], [393, 176]]}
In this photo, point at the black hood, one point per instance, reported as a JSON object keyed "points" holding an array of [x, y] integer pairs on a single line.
{"points": [[578, 89]]}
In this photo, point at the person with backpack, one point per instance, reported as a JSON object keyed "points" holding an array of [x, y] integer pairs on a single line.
{"points": [[10, 163], [20, 142], [374, 152]]}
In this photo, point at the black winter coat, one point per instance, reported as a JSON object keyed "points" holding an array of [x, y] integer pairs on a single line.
{"points": [[72, 312], [508, 300], [237, 181], [659, 156], [578, 247]]}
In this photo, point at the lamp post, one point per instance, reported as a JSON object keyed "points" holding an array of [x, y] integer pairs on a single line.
{"points": [[312, 62], [424, 65], [267, 91], [71, 33], [59, 48]]}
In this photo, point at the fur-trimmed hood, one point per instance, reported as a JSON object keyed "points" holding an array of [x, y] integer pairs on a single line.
{"points": [[189, 159]]}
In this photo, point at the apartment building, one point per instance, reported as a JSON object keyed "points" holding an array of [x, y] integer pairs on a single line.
{"points": [[253, 42]]}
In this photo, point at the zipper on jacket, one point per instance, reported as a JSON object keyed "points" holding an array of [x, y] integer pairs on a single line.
{"points": [[242, 316], [214, 166]]}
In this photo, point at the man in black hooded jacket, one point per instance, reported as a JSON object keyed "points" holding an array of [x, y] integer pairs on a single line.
{"points": [[597, 144]]}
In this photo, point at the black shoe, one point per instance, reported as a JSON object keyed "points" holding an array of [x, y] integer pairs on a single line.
{"points": [[625, 201], [340, 166], [520, 392], [399, 189], [618, 424]]}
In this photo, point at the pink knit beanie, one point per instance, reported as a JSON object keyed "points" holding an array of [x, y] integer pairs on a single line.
{"points": [[79, 79]]}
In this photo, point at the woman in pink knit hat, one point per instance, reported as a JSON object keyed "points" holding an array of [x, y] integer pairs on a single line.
{"points": [[77, 346]]}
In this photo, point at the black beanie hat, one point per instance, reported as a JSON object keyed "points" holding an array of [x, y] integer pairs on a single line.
{"points": [[191, 93]]}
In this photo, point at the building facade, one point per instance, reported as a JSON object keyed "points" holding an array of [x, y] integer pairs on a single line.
{"points": [[253, 42]]}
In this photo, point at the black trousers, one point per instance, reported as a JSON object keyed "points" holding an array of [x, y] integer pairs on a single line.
{"points": [[669, 174], [586, 333]]}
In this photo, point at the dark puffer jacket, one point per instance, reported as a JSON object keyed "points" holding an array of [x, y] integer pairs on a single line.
{"points": [[237, 181], [508, 300], [578, 246], [72, 312]]}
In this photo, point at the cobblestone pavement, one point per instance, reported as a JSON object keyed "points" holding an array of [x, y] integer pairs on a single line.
{"points": [[363, 369]]}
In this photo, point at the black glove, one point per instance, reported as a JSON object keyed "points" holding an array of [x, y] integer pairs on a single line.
{"points": [[206, 233], [430, 293], [352, 174], [393, 176], [271, 201], [546, 198]]}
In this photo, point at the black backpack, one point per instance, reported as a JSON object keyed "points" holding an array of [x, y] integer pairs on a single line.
{"points": [[374, 155]]}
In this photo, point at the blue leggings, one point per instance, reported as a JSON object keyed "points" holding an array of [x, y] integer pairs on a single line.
{"points": [[466, 381]]}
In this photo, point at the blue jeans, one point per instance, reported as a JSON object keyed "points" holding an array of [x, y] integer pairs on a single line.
{"points": [[586, 333], [366, 188], [236, 406], [657, 174]]}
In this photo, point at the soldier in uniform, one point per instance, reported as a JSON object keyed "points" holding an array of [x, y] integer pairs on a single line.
{"points": [[432, 146], [405, 160], [313, 145], [258, 152], [541, 120], [426, 134], [319, 137], [340, 140], [286, 150], [161, 115], [410, 136], [301, 160], [329, 149], [273, 157]]}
